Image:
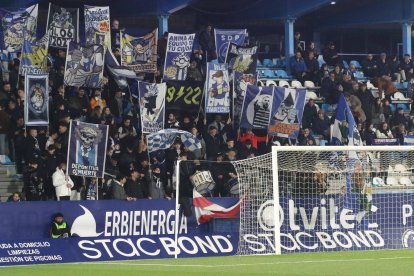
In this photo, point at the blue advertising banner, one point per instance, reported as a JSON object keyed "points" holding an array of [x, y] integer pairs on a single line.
{"points": [[36, 104], [223, 37], [152, 106], [287, 112], [240, 83], [218, 89], [87, 149], [257, 106], [177, 58]]}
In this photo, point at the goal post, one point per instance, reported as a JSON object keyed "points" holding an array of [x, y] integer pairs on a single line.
{"points": [[327, 199]]}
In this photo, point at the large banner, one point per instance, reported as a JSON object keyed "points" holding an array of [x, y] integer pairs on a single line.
{"points": [[62, 26], [224, 37], [87, 149], [184, 95], [34, 56], [97, 26], [242, 59], [36, 104], [17, 27], [257, 107], [177, 58], [84, 65], [218, 89], [139, 54], [287, 112], [240, 83], [152, 106]]}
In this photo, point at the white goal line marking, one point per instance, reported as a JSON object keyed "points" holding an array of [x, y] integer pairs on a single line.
{"points": [[250, 264]]}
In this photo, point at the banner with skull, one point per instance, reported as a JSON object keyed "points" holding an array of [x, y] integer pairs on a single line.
{"points": [[218, 89], [242, 59], [34, 56], [287, 112], [87, 149], [36, 104], [152, 106], [139, 54], [177, 58], [17, 27], [257, 106], [84, 65], [97, 26], [240, 82], [62, 26]]}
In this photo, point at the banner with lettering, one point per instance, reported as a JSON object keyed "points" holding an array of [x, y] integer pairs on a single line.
{"points": [[224, 37], [62, 26], [17, 27], [287, 112], [218, 89], [36, 104], [87, 149], [242, 59], [139, 54], [177, 58], [184, 95], [152, 106], [34, 56], [97, 26], [240, 83], [257, 106], [84, 65]]}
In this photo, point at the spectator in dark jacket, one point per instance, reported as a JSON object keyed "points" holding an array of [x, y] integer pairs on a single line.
{"points": [[369, 66], [321, 124], [213, 143], [298, 67], [133, 186], [399, 118], [367, 100], [313, 67], [310, 112]]}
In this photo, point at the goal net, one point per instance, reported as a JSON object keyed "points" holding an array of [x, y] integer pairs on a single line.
{"points": [[327, 198]]}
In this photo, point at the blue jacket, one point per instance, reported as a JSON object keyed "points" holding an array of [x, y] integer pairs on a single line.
{"points": [[297, 66]]}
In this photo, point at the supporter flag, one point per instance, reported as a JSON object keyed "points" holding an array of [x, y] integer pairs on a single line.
{"points": [[218, 89], [240, 82], [409, 140], [152, 106], [97, 26], [84, 65], [164, 139], [184, 95], [34, 56], [242, 59], [36, 104], [17, 27], [62, 26], [87, 149], [205, 210], [257, 106], [287, 112], [224, 37], [119, 73], [139, 54], [177, 58]]}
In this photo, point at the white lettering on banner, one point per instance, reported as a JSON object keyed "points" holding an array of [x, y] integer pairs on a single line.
{"points": [[407, 211], [126, 247]]}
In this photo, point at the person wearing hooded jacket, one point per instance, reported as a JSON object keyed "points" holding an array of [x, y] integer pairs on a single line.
{"points": [[62, 182]]}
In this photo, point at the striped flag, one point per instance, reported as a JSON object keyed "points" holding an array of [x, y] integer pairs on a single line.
{"points": [[118, 72], [205, 210]]}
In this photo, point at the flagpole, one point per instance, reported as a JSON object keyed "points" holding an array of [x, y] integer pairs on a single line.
{"points": [[177, 207]]}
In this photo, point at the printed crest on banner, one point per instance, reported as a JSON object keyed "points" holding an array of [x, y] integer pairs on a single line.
{"points": [[177, 58], [62, 26], [97, 25], [224, 37], [139, 54], [37, 100], [240, 83], [34, 56], [84, 65], [242, 59], [218, 89], [17, 27], [152, 106], [257, 107]]}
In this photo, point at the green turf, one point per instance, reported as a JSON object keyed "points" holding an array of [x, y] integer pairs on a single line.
{"points": [[391, 262]]}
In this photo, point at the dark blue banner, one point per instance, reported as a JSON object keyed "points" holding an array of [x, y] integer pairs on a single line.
{"points": [[224, 37]]}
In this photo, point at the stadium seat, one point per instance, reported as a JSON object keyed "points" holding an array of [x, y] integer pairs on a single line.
{"points": [[260, 83], [281, 63], [282, 74], [400, 168], [268, 62], [269, 73], [271, 83], [296, 84], [258, 63], [311, 95], [309, 84], [284, 83], [398, 96], [214, 61], [370, 85], [405, 107], [345, 64], [327, 108], [405, 85], [356, 63]]}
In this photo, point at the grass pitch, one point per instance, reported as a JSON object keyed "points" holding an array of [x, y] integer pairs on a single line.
{"points": [[391, 262]]}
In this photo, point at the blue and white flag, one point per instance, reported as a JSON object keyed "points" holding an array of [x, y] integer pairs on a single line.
{"points": [[164, 139], [240, 82], [218, 89], [97, 26], [177, 57], [152, 106], [287, 112], [224, 37], [409, 140], [34, 56], [36, 104], [17, 27], [257, 107], [87, 149], [118, 72], [345, 130]]}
